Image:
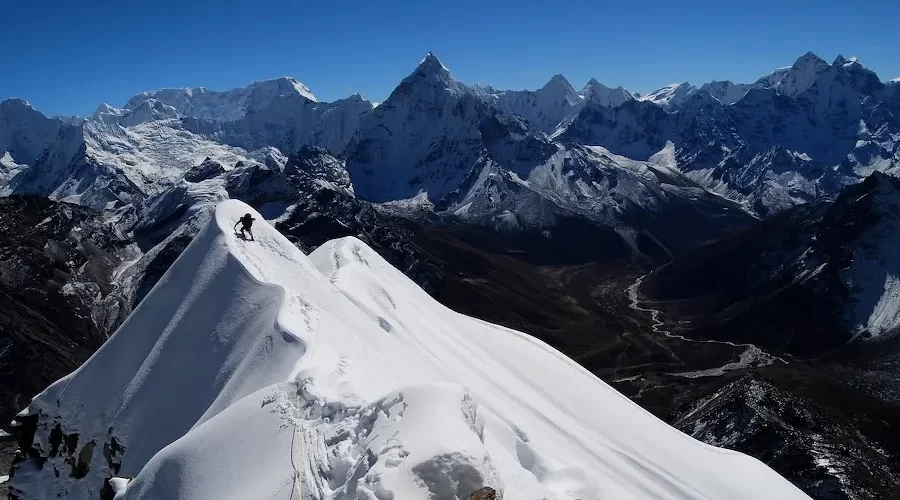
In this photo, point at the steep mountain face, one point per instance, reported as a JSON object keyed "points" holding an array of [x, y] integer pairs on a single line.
{"points": [[445, 131], [24, 132], [602, 95], [9, 168], [817, 276], [290, 122], [112, 166], [57, 292], [544, 108]]}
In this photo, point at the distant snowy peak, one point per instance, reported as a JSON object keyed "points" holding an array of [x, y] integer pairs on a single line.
{"points": [[551, 107], [726, 92], [602, 95], [840, 60], [24, 131], [670, 96], [559, 87], [144, 111], [798, 78], [543, 108], [424, 138], [226, 106], [432, 73], [803, 74]]}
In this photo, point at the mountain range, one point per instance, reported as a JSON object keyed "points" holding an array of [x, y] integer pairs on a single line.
{"points": [[769, 205]]}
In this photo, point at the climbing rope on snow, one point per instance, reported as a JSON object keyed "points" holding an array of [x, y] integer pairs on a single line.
{"points": [[298, 427]]}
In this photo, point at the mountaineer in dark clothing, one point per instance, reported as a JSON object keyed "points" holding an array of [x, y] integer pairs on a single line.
{"points": [[246, 223]]}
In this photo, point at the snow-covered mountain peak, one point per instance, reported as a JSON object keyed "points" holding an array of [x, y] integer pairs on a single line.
{"points": [[298, 87], [225, 106], [801, 75], [840, 60], [809, 60], [726, 92], [15, 103], [559, 83], [430, 64], [24, 131], [671, 95], [105, 109], [605, 96], [430, 80], [559, 90]]}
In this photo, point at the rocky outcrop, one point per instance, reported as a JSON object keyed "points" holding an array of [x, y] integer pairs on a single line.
{"points": [[207, 170], [485, 493]]}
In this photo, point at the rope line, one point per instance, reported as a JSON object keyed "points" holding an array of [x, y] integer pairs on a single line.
{"points": [[298, 426]]}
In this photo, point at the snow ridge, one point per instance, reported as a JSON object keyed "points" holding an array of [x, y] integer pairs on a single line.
{"points": [[248, 353]]}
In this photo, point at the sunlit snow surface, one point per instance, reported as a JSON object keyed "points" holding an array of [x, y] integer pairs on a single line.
{"points": [[250, 359]]}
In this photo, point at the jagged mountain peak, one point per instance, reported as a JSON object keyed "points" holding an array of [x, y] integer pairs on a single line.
{"points": [[558, 89], [559, 82], [284, 86], [104, 109], [840, 60], [809, 59], [432, 65], [429, 74], [598, 93], [799, 77]]}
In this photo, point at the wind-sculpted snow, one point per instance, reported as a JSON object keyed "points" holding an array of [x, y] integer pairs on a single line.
{"points": [[254, 371]]}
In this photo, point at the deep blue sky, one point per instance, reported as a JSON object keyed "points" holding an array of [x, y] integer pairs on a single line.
{"points": [[66, 57]]}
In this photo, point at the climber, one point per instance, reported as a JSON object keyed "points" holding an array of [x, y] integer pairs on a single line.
{"points": [[246, 223]]}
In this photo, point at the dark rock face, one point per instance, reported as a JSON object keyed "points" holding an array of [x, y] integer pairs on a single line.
{"points": [[485, 493], [55, 265], [207, 170], [817, 441]]}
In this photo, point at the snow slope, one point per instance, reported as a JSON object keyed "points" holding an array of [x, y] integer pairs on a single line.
{"points": [[670, 96], [8, 168], [249, 360]]}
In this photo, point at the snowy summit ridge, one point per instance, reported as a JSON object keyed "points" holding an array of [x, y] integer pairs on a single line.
{"points": [[225, 106], [252, 370]]}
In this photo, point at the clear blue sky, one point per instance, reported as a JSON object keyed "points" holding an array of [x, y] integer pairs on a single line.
{"points": [[66, 57]]}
